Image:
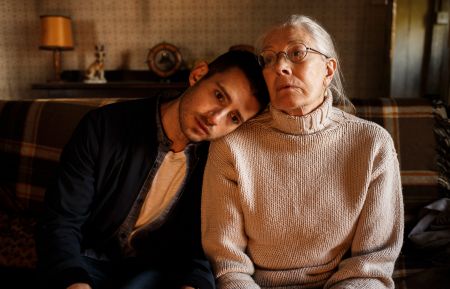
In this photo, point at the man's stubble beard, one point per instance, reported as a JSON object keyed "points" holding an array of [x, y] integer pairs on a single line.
{"points": [[183, 114]]}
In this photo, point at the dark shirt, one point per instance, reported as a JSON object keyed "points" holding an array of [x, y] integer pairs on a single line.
{"points": [[104, 174]]}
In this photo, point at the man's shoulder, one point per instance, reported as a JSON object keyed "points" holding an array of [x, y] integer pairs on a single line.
{"points": [[136, 110], [128, 106], [122, 118]]}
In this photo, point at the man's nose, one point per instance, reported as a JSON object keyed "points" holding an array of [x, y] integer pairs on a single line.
{"points": [[215, 116]]}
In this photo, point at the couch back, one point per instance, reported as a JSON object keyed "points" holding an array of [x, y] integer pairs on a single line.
{"points": [[33, 133]]}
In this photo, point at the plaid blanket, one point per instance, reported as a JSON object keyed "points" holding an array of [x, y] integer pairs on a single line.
{"points": [[32, 135]]}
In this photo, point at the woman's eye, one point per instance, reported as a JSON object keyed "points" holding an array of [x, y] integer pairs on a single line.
{"points": [[297, 54]]}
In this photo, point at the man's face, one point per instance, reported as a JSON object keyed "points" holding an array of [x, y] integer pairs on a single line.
{"points": [[216, 106]]}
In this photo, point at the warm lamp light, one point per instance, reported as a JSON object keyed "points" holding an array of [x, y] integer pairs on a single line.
{"points": [[56, 35]]}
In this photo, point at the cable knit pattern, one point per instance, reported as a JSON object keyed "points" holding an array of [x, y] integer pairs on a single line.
{"points": [[286, 197]]}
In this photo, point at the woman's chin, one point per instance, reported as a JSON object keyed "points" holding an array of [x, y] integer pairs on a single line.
{"points": [[286, 104]]}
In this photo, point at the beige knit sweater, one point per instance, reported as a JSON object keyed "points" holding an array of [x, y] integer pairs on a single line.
{"points": [[286, 197]]}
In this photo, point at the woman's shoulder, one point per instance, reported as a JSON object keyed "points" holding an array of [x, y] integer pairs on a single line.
{"points": [[366, 134], [351, 119], [359, 125]]}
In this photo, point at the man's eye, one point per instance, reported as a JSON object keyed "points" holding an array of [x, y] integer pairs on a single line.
{"points": [[235, 119], [219, 96]]}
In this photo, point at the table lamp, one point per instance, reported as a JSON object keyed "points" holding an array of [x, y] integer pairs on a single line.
{"points": [[56, 35]]}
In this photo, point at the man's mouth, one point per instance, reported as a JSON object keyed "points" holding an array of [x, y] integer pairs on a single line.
{"points": [[202, 126]]}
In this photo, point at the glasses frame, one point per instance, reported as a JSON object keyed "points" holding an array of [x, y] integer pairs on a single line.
{"points": [[286, 56]]}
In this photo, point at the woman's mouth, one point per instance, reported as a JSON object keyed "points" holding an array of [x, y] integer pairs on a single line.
{"points": [[282, 84], [285, 87]]}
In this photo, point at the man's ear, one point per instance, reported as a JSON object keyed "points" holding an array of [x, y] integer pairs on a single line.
{"points": [[200, 69]]}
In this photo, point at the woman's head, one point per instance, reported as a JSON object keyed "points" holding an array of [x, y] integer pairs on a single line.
{"points": [[301, 65]]}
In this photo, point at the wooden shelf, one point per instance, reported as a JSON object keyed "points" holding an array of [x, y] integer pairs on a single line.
{"points": [[110, 89], [120, 85]]}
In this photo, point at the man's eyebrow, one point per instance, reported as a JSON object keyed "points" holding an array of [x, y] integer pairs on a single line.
{"points": [[225, 92]]}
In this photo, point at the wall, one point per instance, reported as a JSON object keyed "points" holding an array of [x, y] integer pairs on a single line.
{"points": [[202, 29]]}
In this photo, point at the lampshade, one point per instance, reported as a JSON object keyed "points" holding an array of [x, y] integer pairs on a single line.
{"points": [[56, 33]]}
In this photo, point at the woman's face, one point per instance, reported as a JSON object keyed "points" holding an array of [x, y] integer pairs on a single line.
{"points": [[296, 88]]}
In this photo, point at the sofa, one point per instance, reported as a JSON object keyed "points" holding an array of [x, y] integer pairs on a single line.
{"points": [[33, 133]]}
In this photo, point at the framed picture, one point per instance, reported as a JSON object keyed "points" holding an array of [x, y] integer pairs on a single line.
{"points": [[164, 59]]}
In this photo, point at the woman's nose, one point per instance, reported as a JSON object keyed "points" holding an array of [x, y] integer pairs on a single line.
{"points": [[282, 64]]}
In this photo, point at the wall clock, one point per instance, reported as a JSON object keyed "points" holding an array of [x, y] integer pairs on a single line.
{"points": [[164, 59]]}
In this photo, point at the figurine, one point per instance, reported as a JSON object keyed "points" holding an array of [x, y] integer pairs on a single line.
{"points": [[95, 72]]}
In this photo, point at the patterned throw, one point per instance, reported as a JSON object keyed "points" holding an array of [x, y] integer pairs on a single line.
{"points": [[32, 135]]}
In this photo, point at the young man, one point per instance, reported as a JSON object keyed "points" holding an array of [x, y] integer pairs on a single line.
{"points": [[124, 211]]}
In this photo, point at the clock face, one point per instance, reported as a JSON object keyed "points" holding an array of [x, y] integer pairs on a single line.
{"points": [[164, 59]]}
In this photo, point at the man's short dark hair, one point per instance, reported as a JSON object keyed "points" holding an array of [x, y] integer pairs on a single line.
{"points": [[246, 62]]}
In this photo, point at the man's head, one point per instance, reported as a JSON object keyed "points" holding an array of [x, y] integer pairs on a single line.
{"points": [[223, 95]]}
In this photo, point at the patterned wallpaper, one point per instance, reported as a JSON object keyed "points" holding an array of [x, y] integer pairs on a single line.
{"points": [[202, 29]]}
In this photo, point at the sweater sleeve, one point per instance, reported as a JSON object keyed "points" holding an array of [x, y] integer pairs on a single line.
{"points": [[379, 233], [223, 233]]}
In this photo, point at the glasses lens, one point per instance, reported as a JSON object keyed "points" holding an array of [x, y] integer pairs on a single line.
{"points": [[297, 52], [267, 58]]}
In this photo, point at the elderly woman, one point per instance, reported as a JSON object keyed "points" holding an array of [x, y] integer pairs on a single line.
{"points": [[305, 195]]}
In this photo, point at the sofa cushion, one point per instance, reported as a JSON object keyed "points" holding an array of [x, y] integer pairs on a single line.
{"points": [[32, 135]]}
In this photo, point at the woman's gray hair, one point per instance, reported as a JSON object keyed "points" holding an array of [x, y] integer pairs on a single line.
{"points": [[324, 43]]}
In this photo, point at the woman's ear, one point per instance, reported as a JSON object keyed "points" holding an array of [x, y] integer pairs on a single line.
{"points": [[331, 69], [200, 69]]}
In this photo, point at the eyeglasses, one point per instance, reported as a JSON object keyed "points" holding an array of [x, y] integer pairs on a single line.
{"points": [[295, 53]]}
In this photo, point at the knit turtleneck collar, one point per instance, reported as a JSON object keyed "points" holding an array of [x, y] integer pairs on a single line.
{"points": [[306, 124]]}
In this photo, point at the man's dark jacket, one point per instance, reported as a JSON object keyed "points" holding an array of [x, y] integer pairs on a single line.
{"points": [[102, 170]]}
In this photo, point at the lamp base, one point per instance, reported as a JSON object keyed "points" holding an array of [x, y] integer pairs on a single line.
{"points": [[56, 65]]}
